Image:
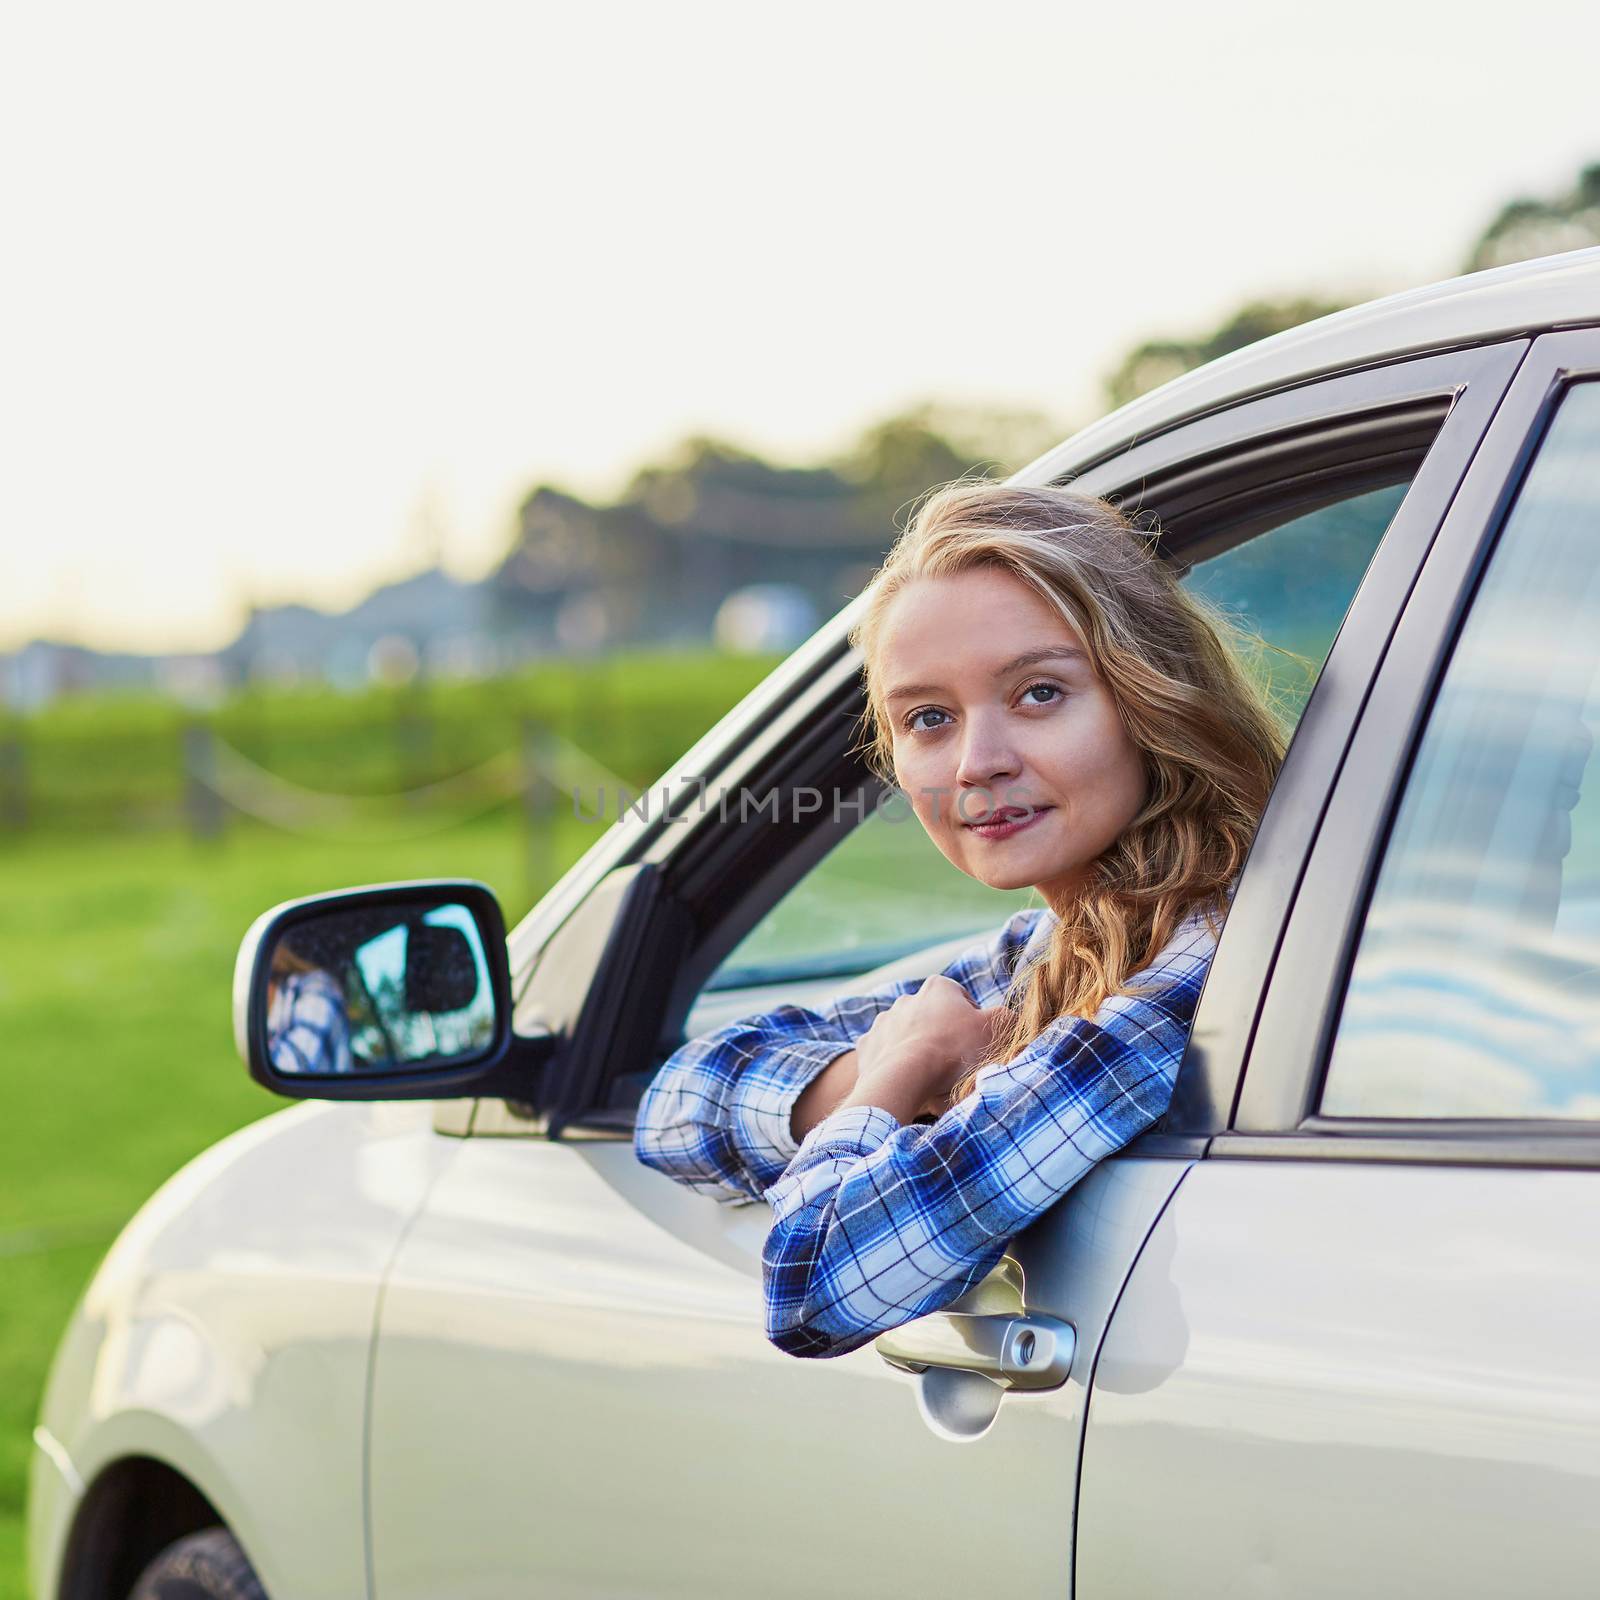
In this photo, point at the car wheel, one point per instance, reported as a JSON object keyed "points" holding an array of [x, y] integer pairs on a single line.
{"points": [[208, 1565]]}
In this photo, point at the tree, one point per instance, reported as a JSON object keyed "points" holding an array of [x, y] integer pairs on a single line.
{"points": [[899, 459], [1147, 366], [1526, 227]]}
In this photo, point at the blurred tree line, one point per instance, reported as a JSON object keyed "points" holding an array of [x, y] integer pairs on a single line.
{"points": [[713, 522], [1523, 228]]}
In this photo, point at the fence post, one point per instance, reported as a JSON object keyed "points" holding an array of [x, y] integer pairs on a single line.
{"points": [[414, 743], [538, 814], [13, 783], [202, 803]]}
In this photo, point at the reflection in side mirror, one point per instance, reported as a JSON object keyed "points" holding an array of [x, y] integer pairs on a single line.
{"points": [[373, 990], [403, 988]]}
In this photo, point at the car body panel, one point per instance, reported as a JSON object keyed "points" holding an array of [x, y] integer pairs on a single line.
{"points": [[227, 1333], [572, 1395], [1357, 1353], [1336, 1378]]}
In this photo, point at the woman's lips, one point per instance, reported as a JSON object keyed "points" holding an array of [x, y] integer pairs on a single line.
{"points": [[1008, 822]]}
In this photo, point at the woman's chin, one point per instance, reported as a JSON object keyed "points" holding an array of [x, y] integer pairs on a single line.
{"points": [[994, 876], [1029, 870]]}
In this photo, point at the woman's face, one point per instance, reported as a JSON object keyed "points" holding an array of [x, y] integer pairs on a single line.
{"points": [[977, 728]]}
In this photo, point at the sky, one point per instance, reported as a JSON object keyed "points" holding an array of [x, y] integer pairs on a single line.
{"points": [[294, 298]]}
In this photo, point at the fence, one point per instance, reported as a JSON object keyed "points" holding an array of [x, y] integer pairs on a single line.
{"points": [[401, 764]]}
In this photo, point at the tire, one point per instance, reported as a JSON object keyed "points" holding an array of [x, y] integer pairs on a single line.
{"points": [[208, 1565]]}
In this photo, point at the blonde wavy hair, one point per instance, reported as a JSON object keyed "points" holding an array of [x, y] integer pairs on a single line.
{"points": [[1212, 737]]}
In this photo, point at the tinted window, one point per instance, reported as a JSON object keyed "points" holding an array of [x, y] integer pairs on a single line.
{"points": [[1293, 584], [1476, 986]]}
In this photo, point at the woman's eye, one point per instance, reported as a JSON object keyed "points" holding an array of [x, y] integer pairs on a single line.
{"points": [[913, 721]]}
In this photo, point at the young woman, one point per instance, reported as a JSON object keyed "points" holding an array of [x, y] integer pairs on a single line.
{"points": [[1060, 714]]}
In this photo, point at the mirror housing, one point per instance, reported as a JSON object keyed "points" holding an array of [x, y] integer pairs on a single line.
{"points": [[396, 991]]}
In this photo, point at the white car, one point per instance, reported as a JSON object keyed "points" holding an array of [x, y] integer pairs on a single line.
{"points": [[1329, 1330]]}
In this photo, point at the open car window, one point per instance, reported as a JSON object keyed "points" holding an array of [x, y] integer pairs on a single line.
{"points": [[886, 891]]}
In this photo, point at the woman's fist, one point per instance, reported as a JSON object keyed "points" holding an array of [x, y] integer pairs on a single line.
{"points": [[915, 1052]]}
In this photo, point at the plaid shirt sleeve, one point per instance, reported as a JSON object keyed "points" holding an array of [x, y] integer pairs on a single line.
{"points": [[875, 1223], [716, 1115]]}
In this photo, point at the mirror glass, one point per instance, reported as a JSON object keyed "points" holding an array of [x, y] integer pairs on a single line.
{"points": [[379, 989]]}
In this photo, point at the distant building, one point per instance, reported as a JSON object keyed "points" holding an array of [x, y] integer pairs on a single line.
{"points": [[438, 624], [46, 669], [764, 617], [722, 548], [658, 567]]}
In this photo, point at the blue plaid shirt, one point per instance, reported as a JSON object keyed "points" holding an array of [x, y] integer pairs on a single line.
{"points": [[875, 1223]]}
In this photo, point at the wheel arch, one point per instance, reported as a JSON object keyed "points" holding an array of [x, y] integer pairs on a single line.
{"points": [[134, 1508]]}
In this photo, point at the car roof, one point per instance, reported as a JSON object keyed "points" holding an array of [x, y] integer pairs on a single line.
{"points": [[1525, 297]]}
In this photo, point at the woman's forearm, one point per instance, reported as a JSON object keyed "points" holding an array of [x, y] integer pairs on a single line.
{"points": [[821, 1097], [904, 1097], [903, 1093]]}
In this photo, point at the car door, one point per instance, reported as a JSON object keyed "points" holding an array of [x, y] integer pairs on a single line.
{"points": [[1357, 1354], [571, 1393]]}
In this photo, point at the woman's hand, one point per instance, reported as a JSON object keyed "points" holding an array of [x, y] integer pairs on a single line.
{"points": [[915, 1052]]}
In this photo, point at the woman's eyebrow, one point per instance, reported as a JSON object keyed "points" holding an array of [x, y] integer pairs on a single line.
{"points": [[1028, 658]]}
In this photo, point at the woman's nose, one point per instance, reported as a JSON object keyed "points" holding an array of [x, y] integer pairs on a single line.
{"points": [[987, 756]]}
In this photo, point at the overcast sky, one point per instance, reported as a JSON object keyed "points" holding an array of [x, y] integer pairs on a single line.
{"points": [[286, 287]]}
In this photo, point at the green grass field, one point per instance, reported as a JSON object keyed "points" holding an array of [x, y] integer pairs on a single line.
{"points": [[118, 761]]}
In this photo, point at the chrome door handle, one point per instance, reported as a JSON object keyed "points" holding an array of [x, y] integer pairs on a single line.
{"points": [[1017, 1352]]}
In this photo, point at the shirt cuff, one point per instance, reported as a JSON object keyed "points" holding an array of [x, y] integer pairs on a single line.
{"points": [[856, 1131], [826, 1153], [762, 1106]]}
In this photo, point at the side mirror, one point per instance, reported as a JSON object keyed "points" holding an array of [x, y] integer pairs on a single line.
{"points": [[398, 991]]}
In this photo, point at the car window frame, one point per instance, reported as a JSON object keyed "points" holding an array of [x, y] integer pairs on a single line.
{"points": [[1328, 427], [1277, 1115], [1291, 450]]}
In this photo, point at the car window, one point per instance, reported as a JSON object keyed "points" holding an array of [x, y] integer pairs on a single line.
{"points": [[1293, 584], [886, 889], [1475, 990]]}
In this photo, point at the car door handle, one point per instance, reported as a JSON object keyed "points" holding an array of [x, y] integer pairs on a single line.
{"points": [[1017, 1352]]}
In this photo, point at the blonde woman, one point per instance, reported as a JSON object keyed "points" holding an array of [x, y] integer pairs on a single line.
{"points": [[1061, 715]]}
